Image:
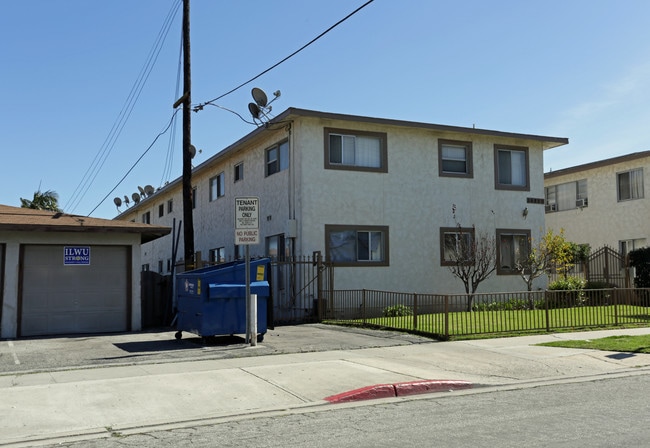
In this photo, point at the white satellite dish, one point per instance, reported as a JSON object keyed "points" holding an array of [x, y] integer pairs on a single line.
{"points": [[259, 96], [126, 200], [117, 202], [149, 190], [135, 197], [192, 152], [141, 190], [254, 110]]}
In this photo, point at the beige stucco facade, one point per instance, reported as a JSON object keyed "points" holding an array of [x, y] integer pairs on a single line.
{"points": [[409, 198], [610, 217]]}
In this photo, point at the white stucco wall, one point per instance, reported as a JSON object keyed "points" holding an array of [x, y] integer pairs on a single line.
{"points": [[605, 221], [411, 199], [13, 241]]}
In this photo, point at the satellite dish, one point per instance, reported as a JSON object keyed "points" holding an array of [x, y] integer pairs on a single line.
{"points": [[141, 190], [135, 197], [126, 200], [254, 110], [117, 202], [192, 152], [259, 96], [149, 190]]}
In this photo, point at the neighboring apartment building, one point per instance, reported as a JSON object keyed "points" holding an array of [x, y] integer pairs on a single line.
{"points": [[374, 196], [601, 203]]}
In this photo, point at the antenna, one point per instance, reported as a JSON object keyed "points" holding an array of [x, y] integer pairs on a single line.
{"points": [[260, 97], [149, 190], [135, 197], [262, 106]]}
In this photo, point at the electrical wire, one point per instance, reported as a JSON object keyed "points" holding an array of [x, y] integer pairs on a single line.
{"points": [[201, 105], [109, 143], [171, 121]]}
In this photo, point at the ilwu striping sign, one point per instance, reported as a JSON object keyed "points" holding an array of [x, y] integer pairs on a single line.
{"points": [[76, 255]]}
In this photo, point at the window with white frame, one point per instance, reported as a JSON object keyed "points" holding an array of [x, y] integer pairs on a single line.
{"points": [[146, 218], [170, 206], [239, 171], [566, 196], [218, 255], [357, 245], [161, 210], [512, 249], [275, 246], [454, 158], [630, 184], [511, 168], [217, 187], [456, 245], [277, 158], [355, 150]]}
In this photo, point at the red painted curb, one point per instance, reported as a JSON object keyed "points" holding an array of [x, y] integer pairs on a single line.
{"points": [[398, 390]]}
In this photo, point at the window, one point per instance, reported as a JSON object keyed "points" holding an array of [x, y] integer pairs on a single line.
{"points": [[357, 246], [217, 187], [277, 158], [239, 251], [218, 255], [630, 184], [169, 265], [512, 249], [566, 196], [160, 266], [275, 246], [456, 244], [161, 210], [145, 267], [511, 168], [170, 206], [355, 150], [146, 218], [454, 158], [239, 171]]}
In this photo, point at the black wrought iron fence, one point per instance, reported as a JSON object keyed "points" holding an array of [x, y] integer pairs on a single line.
{"points": [[445, 316]]}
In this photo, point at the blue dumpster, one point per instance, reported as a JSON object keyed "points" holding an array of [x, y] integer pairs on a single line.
{"points": [[212, 301]]}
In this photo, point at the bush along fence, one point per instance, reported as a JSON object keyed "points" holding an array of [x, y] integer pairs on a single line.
{"points": [[446, 316]]}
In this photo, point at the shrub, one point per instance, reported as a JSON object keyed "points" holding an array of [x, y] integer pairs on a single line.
{"points": [[397, 311], [508, 305], [574, 295]]}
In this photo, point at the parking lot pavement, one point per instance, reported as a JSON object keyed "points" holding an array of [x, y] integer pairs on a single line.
{"points": [[158, 346]]}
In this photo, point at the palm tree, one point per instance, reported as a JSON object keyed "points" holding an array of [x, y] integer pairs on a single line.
{"points": [[47, 200]]}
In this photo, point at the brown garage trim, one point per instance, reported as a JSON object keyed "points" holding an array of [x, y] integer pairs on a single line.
{"points": [[129, 288], [3, 262], [19, 305]]}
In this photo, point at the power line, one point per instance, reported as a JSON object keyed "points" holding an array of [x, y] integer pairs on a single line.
{"points": [[171, 121], [109, 143], [202, 105]]}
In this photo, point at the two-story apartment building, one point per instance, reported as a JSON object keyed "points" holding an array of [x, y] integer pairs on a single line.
{"points": [[374, 195], [602, 203]]}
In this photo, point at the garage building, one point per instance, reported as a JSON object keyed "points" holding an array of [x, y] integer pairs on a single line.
{"points": [[69, 274]]}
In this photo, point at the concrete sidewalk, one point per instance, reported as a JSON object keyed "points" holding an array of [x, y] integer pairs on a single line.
{"points": [[68, 404]]}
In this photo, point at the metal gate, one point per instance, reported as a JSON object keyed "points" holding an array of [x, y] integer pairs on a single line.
{"points": [[297, 286], [609, 267]]}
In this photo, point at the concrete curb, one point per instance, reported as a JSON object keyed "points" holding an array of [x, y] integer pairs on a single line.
{"points": [[399, 390]]}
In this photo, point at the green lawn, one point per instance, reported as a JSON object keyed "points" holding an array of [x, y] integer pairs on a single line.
{"points": [[512, 322], [634, 344]]}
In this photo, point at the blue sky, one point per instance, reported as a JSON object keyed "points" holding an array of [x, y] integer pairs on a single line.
{"points": [[565, 68]]}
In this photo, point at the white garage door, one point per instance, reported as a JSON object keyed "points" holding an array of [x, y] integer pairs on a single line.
{"points": [[60, 298]]}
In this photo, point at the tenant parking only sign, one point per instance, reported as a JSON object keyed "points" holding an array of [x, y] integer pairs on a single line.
{"points": [[247, 214]]}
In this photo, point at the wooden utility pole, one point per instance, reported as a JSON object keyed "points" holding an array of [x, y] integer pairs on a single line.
{"points": [[188, 224]]}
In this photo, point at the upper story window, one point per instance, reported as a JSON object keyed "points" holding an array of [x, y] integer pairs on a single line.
{"points": [[512, 249], [146, 218], [218, 255], [456, 245], [357, 245], [277, 158], [355, 150], [217, 187], [511, 168], [170, 206], [454, 158], [629, 184], [239, 171], [566, 196], [161, 210]]}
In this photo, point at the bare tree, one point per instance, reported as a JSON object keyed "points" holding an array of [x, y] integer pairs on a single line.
{"points": [[473, 257]]}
